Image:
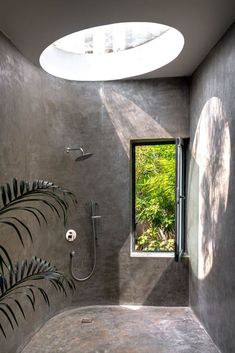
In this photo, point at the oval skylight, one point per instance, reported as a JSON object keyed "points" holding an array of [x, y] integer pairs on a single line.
{"points": [[112, 52]]}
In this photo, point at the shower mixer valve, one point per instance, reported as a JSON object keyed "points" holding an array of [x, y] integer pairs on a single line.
{"points": [[71, 235]]}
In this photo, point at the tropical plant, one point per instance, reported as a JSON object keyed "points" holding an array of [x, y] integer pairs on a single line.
{"points": [[155, 196], [20, 280]]}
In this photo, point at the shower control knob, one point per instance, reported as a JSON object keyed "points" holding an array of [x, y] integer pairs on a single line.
{"points": [[71, 235]]}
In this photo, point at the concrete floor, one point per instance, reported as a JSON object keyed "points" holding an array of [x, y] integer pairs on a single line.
{"points": [[117, 329]]}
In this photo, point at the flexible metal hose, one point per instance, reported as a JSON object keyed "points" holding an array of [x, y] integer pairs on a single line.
{"points": [[93, 221]]}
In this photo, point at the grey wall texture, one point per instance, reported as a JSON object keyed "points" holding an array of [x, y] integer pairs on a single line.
{"points": [[211, 220], [41, 116]]}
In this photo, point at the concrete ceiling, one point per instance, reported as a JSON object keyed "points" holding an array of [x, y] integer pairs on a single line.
{"points": [[32, 25]]}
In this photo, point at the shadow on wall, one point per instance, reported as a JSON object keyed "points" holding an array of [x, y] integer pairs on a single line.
{"points": [[211, 232], [173, 282], [152, 280]]}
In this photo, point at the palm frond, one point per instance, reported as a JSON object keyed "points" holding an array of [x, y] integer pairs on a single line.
{"points": [[5, 260], [25, 196], [22, 279]]}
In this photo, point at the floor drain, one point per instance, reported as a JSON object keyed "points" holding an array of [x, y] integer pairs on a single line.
{"points": [[87, 321]]}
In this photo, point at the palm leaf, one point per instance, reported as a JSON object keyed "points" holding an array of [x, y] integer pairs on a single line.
{"points": [[5, 260], [9, 193], [20, 308], [22, 279], [18, 221], [2, 330], [27, 197]]}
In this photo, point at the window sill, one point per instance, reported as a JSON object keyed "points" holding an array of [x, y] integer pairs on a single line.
{"points": [[152, 254]]}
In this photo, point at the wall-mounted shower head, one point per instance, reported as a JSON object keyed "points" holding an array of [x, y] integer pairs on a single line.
{"points": [[82, 156]]}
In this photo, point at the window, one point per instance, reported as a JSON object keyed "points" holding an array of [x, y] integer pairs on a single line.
{"points": [[158, 196]]}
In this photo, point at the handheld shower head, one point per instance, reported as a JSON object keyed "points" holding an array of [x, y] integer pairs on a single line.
{"points": [[82, 156]]}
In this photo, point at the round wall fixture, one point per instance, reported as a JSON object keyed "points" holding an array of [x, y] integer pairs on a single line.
{"points": [[112, 52]]}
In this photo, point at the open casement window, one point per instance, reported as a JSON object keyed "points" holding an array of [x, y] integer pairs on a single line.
{"points": [[180, 198], [158, 197]]}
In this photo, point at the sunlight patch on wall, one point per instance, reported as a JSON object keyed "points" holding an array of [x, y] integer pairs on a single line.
{"points": [[129, 120], [211, 151]]}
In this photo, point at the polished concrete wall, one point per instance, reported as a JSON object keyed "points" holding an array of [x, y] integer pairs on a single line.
{"points": [[41, 116], [211, 204]]}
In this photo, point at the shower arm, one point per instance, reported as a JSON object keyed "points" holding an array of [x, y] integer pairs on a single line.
{"points": [[68, 149]]}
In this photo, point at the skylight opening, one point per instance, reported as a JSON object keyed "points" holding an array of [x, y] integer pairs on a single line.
{"points": [[110, 38], [112, 52]]}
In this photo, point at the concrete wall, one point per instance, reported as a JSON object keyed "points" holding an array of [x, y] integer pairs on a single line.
{"points": [[41, 116], [211, 204]]}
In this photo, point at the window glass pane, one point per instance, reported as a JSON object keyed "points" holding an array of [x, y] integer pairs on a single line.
{"points": [[154, 197]]}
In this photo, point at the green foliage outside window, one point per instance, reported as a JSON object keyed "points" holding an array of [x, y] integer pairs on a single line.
{"points": [[155, 197]]}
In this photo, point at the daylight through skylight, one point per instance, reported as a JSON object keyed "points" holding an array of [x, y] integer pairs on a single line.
{"points": [[112, 52]]}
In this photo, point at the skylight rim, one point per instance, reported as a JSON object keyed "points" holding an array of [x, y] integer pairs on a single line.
{"points": [[83, 67]]}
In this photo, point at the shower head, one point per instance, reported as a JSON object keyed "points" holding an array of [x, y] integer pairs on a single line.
{"points": [[82, 156]]}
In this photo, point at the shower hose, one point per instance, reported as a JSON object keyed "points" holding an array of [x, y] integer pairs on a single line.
{"points": [[94, 217]]}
